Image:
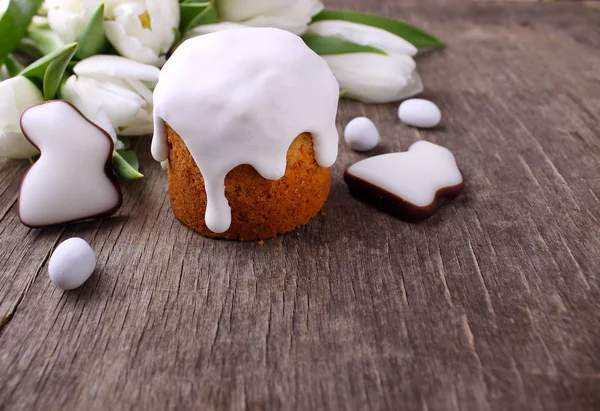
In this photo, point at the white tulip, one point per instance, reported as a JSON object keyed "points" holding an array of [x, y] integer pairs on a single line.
{"points": [[68, 18], [212, 28], [141, 30], [290, 15], [375, 78], [372, 77], [16, 95], [144, 32], [363, 35], [115, 93]]}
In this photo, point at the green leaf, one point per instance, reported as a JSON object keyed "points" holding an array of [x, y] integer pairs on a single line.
{"points": [[177, 34], [37, 69], [331, 45], [411, 34], [13, 66], [41, 23], [208, 16], [188, 12], [45, 40], [47, 72], [344, 92], [195, 14], [122, 168], [195, 1], [14, 23], [131, 158], [92, 40], [43, 10], [29, 48], [126, 142], [71, 65], [54, 75]]}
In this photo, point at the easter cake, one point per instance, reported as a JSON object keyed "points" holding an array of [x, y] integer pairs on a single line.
{"points": [[246, 120]]}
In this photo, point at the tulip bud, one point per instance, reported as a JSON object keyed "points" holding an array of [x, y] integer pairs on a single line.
{"points": [[16, 95], [375, 78], [141, 30], [371, 77], [363, 35], [212, 28], [3, 6], [113, 92], [144, 32], [290, 15]]}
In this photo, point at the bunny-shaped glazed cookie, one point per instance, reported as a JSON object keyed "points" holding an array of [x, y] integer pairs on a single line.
{"points": [[407, 185], [72, 180]]}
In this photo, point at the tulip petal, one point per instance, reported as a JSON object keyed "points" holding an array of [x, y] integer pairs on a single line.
{"points": [[165, 17], [66, 24], [89, 107], [129, 16], [141, 89], [142, 124], [239, 10], [413, 88], [145, 40], [363, 35], [13, 144], [114, 90], [16, 95], [142, 39], [296, 26], [116, 66], [294, 19], [130, 47], [213, 28], [374, 78], [118, 102]]}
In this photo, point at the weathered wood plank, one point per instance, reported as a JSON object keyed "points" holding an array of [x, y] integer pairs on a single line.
{"points": [[490, 305]]}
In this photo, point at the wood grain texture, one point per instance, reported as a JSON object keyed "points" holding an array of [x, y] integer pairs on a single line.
{"points": [[492, 304]]}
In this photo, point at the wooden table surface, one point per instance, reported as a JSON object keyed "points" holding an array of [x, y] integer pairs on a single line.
{"points": [[492, 304]]}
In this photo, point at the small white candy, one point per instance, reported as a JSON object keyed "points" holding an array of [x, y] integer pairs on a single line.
{"points": [[71, 264], [361, 134], [421, 113]]}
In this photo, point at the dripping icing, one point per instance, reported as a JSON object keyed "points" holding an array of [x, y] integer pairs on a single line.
{"points": [[242, 96]]}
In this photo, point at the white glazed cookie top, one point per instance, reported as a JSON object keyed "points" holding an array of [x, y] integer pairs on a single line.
{"points": [[414, 176], [69, 182], [242, 96]]}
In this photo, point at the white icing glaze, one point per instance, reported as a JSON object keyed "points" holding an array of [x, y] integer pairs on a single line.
{"points": [[242, 96], [69, 181], [415, 176]]}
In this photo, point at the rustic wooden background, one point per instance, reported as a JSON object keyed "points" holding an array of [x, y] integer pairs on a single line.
{"points": [[493, 304]]}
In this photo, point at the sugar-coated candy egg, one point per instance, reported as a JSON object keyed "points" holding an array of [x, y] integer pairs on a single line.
{"points": [[361, 134], [421, 113], [71, 264]]}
